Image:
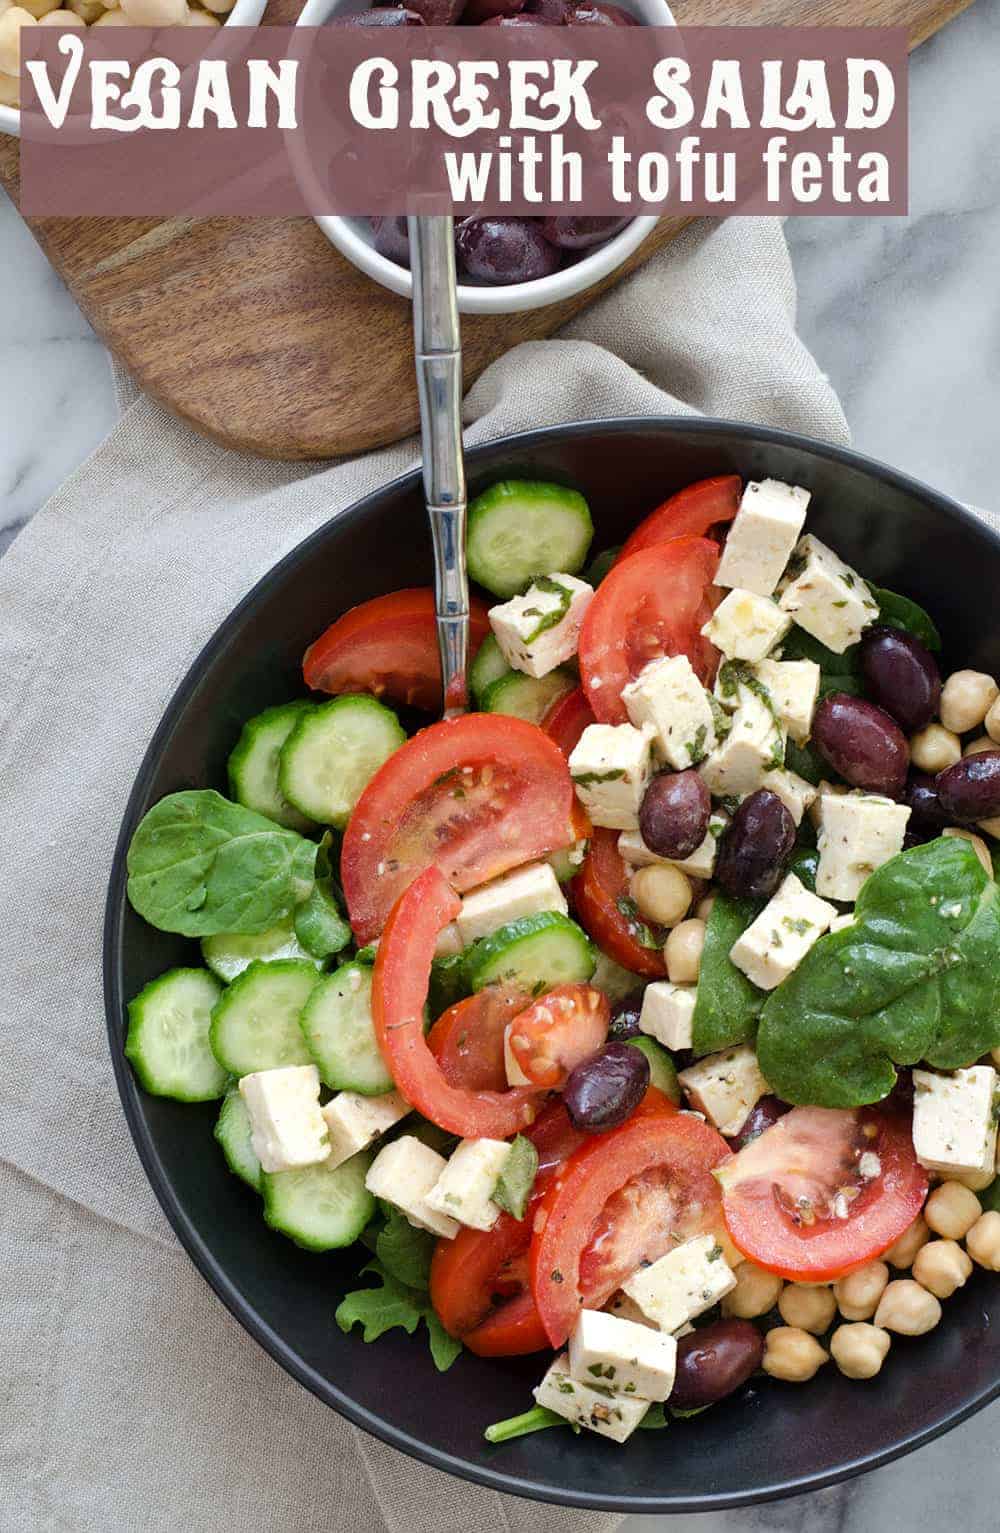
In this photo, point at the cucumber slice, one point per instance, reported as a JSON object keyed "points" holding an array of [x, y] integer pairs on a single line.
{"points": [[232, 1130], [337, 1027], [521, 528], [616, 982], [662, 1071], [168, 1032], [255, 1024], [319, 925], [253, 765], [488, 666], [318, 1207], [527, 697], [537, 952], [332, 754], [227, 956]]}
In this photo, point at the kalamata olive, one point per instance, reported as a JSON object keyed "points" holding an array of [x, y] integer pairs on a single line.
{"points": [[390, 235], [580, 233], [755, 847], [478, 11], [901, 676], [434, 13], [714, 1360], [673, 816], [602, 1091], [625, 1017], [384, 16], [551, 13], [504, 250], [763, 1115], [602, 15], [970, 790], [862, 743], [522, 19], [926, 813]]}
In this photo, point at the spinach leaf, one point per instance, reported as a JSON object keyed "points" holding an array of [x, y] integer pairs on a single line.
{"points": [[319, 925], [807, 761], [901, 612], [378, 1310], [804, 863], [514, 1184], [200, 865], [916, 977], [838, 673], [727, 1005], [404, 1252]]}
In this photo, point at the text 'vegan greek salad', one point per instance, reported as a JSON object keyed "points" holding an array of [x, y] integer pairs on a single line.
{"points": [[646, 1017]]}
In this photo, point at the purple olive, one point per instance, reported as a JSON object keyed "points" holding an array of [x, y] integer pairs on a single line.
{"points": [[755, 847], [901, 676], [580, 233], [625, 1017], [862, 743], [714, 1360], [434, 13], [762, 1116], [504, 250], [674, 814], [602, 15], [479, 11], [523, 19], [606, 1088], [385, 16], [926, 812], [391, 238], [970, 790]]}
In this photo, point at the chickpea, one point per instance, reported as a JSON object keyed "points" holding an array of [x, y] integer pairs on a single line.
{"points": [[917, 1234], [755, 1293], [907, 1308], [806, 1308], [662, 893], [703, 909], [683, 952], [992, 721], [934, 748], [113, 19], [941, 1267], [984, 743], [859, 1350], [11, 23], [952, 1210], [87, 10], [62, 19], [38, 8], [983, 1241], [966, 699], [858, 1293], [156, 13], [978, 846], [218, 6], [792, 1354], [198, 18], [10, 90]]}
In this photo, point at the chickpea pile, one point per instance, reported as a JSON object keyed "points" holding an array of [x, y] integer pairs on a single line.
{"points": [[970, 708], [91, 13]]}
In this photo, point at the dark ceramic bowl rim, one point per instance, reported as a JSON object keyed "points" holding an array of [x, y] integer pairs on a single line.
{"points": [[213, 1271]]}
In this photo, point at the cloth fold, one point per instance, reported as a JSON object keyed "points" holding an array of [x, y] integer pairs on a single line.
{"points": [[133, 1399]]}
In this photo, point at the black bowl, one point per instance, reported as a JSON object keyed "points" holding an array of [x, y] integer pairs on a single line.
{"points": [[773, 1439]]}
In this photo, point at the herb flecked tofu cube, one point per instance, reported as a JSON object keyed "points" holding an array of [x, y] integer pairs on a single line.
{"points": [[593, 1406], [826, 597], [611, 767], [954, 1120], [287, 1127], [746, 627], [403, 1173], [683, 1284], [761, 539], [633, 1359], [541, 629], [668, 698], [355, 1122], [701, 863], [794, 689], [754, 746], [858, 832], [795, 793], [775, 943], [526, 891], [725, 1087], [668, 1013], [464, 1190]]}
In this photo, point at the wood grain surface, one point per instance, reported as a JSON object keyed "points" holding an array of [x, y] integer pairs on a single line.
{"points": [[259, 334]]}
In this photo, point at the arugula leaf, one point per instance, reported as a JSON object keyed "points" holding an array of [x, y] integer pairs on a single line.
{"points": [[838, 673], [901, 612], [535, 1420], [199, 865], [404, 1252], [916, 977], [655, 1418], [514, 1184], [727, 1005], [393, 1305], [444, 1348]]}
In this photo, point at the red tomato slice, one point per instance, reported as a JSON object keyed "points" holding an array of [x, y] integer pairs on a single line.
{"points": [[389, 647], [620, 1201], [597, 889], [557, 1032], [399, 990], [567, 719], [651, 604], [796, 1202], [692, 511], [474, 796], [467, 1039]]}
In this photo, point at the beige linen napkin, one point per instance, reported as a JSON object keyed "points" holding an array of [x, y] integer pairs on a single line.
{"points": [[131, 1399]]}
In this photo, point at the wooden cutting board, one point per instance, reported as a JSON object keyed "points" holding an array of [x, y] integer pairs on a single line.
{"points": [[259, 334]]}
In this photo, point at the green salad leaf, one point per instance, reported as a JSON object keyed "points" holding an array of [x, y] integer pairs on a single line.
{"points": [[393, 1305], [514, 1184], [838, 673], [200, 865], [915, 977], [900, 612], [807, 762], [404, 1251], [319, 925], [727, 1005]]}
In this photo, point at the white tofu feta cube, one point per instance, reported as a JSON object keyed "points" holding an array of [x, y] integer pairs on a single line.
{"points": [[794, 689], [779, 938], [287, 1128], [842, 922], [747, 627], [701, 863], [525, 892], [464, 1190], [683, 1284], [858, 832], [725, 1087], [632, 1359], [355, 1122], [954, 1122], [541, 629], [826, 597], [611, 767], [627, 1309], [763, 535], [795, 793], [667, 1013], [754, 746], [403, 1173], [668, 699], [593, 1406]]}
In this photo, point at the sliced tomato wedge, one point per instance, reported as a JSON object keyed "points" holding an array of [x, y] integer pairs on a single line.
{"points": [[474, 796], [653, 603], [620, 1201], [467, 1039], [399, 990], [598, 891], [693, 511], [557, 1032], [389, 647], [802, 1201], [567, 719]]}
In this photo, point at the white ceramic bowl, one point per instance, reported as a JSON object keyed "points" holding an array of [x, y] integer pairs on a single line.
{"points": [[353, 236], [245, 13]]}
